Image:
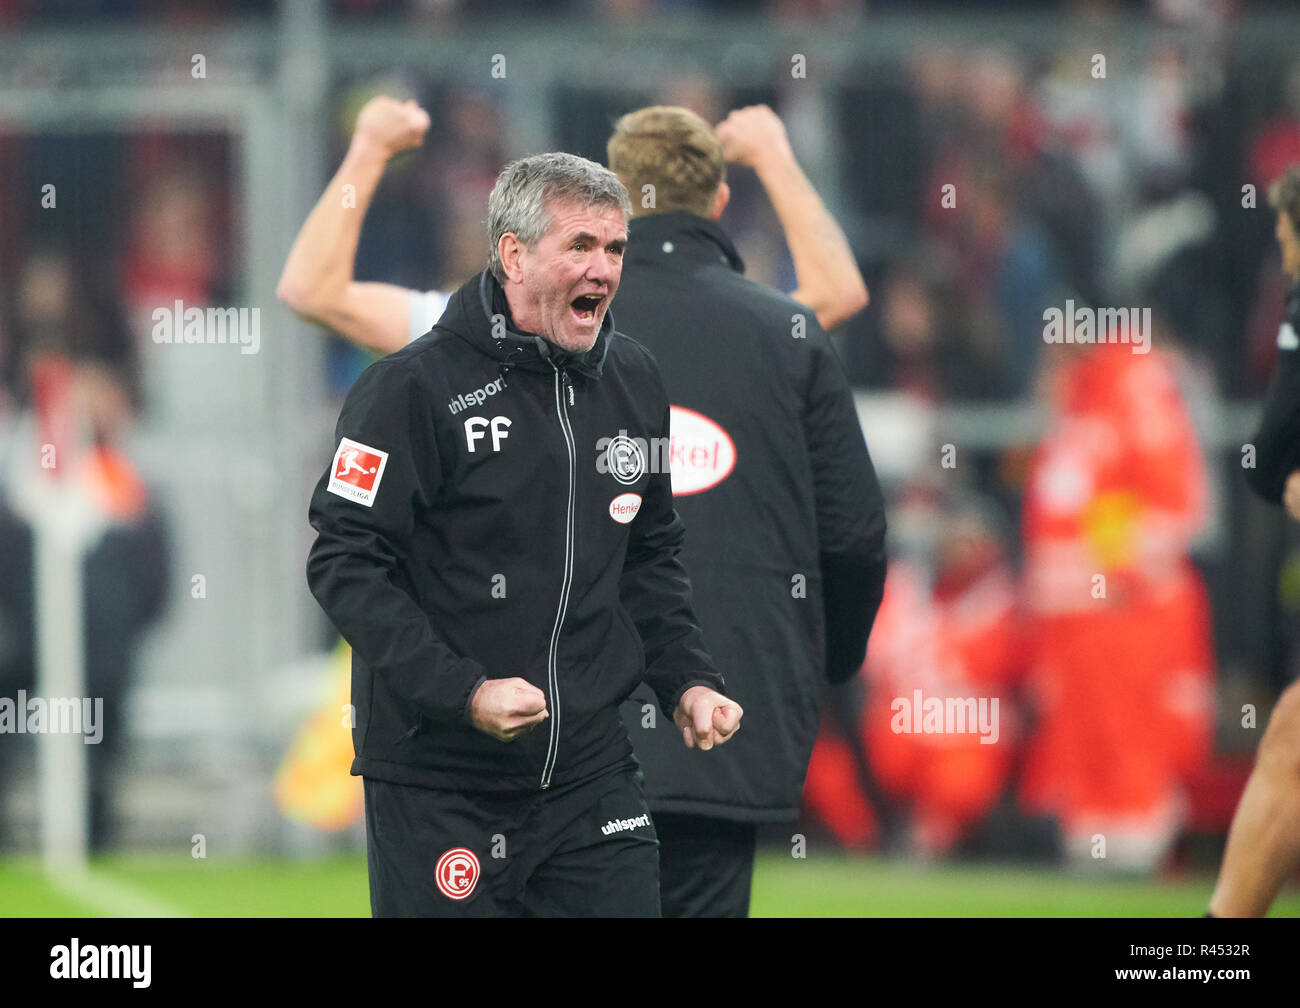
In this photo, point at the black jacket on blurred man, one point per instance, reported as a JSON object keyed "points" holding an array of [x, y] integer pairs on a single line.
{"points": [[784, 517]]}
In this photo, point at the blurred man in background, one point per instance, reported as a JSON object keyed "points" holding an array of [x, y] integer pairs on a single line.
{"points": [[1119, 657], [771, 472], [948, 628], [773, 480], [76, 372], [1264, 842]]}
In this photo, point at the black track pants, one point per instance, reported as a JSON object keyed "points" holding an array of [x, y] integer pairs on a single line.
{"points": [[705, 865], [580, 850]]}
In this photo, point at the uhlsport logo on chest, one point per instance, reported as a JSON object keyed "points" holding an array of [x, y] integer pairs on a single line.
{"points": [[477, 397]]}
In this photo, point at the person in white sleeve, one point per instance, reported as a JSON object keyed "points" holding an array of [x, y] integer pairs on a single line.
{"points": [[318, 286], [317, 283]]}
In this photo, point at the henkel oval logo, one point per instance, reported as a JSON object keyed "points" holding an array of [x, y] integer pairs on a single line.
{"points": [[624, 507], [700, 453]]}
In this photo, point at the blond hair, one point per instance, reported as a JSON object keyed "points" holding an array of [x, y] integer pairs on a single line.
{"points": [[673, 150], [1284, 195]]}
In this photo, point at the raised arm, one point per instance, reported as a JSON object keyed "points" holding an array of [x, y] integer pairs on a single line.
{"points": [[317, 281], [825, 271]]}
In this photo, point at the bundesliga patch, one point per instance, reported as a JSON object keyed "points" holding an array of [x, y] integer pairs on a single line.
{"points": [[457, 873], [624, 507], [1286, 337], [357, 471]]}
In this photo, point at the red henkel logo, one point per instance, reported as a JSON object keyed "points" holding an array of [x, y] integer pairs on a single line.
{"points": [[357, 471], [624, 507], [457, 873], [700, 453]]}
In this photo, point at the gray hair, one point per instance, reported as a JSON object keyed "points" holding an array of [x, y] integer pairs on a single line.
{"points": [[523, 190]]}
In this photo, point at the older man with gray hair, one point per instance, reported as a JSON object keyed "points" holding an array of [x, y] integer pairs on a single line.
{"points": [[497, 541]]}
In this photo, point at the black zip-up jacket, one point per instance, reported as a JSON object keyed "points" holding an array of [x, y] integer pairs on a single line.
{"points": [[786, 550], [1277, 442], [502, 540]]}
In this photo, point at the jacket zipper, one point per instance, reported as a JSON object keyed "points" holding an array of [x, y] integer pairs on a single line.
{"points": [[552, 672]]}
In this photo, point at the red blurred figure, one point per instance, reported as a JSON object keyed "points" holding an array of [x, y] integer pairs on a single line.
{"points": [[953, 641], [952, 636], [1120, 647]]}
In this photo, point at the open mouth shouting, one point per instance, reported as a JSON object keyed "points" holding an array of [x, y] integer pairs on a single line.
{"points": [[586, 307]]}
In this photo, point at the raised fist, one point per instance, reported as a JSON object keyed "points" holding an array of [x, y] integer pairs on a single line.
{"points": [[391, 125], [753, 134]]}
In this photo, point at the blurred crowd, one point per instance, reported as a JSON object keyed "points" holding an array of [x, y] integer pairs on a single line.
{"points": [[423, 11], [978, 186], [75, 324]]}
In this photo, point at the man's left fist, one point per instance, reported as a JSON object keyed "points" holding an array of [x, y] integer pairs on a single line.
{"points": [[706, 717], [1291, 495]]}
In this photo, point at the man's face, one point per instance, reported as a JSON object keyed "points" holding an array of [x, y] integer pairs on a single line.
{"points": [[569, 280], [1287, 238]]}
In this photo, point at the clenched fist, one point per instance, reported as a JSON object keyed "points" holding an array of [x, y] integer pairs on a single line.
{"points": [[391, 126], [752, 135], [1291, 495], [706, 717], [507, 708]]}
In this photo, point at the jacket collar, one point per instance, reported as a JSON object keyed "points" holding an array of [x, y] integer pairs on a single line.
{"points": [[470, 315], [681, 238]]}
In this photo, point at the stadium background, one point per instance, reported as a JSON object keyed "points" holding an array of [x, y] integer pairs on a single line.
{"points": [[186, 142]]}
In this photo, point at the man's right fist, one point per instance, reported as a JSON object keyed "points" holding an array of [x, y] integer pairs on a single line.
{"points": [[391, 126], [753, 136], [1291, 495], [507, 708]]}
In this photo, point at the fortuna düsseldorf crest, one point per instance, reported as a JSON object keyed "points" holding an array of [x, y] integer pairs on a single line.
{"points": [[625, 460], [457, 873]]}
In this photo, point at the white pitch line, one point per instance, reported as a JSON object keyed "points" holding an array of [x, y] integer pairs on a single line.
{"points": [[109, 896]]}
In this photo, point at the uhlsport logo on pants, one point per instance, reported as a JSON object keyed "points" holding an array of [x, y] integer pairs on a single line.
{"points": [[619, 825], [457, 873]]}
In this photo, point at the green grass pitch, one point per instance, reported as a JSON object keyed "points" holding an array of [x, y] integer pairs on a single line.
{"points": [[822, 885]]}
